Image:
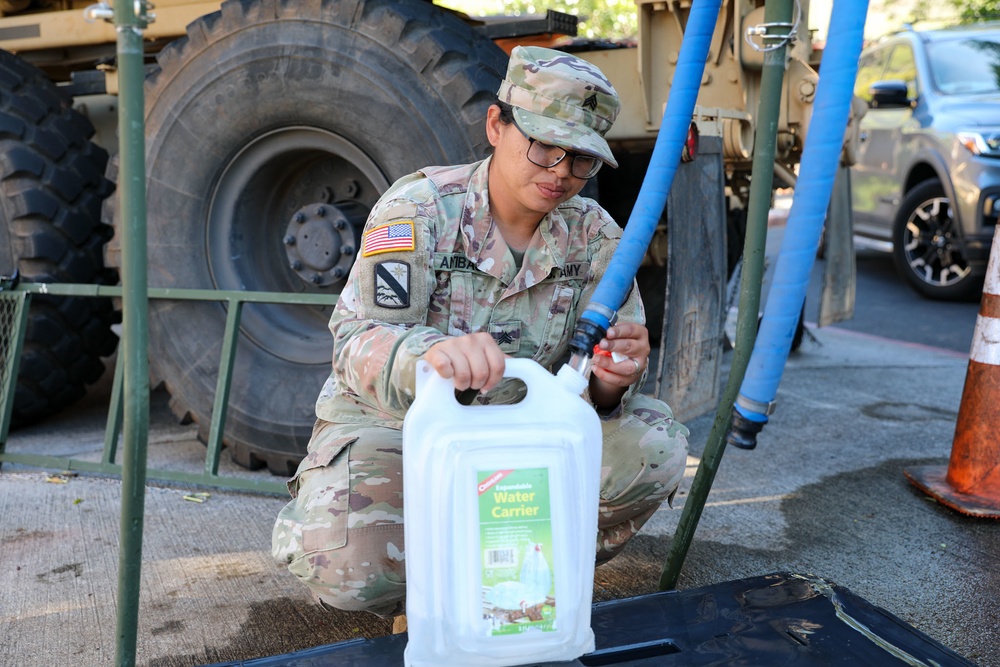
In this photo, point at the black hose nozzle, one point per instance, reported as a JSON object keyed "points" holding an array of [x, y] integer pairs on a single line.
{"points": [[743, 432], [586, 336]]}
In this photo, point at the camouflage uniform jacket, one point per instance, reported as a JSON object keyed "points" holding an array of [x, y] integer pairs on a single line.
{"points": [[457, 277]]}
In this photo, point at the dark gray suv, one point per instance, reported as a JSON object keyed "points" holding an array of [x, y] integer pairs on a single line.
{"points": [[926, 185]]}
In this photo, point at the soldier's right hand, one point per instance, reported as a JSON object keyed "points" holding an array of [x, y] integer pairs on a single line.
{"points": [[475, 361]]}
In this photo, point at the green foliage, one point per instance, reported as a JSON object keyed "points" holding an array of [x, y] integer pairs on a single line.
{"points": [[930, 14], [976, 11], [896, 14], [960, 11]]}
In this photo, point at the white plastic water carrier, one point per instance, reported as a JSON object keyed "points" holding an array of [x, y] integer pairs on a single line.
{"points": [[500, 519]]}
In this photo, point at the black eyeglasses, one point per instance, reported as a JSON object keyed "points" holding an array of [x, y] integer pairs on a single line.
{"points": [[547, 156]]}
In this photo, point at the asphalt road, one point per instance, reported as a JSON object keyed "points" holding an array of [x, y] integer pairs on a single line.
{"points": [[886, 306]]}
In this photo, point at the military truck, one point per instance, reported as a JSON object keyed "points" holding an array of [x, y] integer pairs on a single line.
{"points": [[272, 128]]}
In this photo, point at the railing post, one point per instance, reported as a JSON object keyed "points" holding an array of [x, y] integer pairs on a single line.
{"points": [[113, 429], [777, 13], [223, 384], [130, 20]]}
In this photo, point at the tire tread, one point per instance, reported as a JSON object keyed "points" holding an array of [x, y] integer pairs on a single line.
{"points": [[52, 182], [438, 46]]}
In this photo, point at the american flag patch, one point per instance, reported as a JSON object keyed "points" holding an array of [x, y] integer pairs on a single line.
{"points": [[388, 238]]}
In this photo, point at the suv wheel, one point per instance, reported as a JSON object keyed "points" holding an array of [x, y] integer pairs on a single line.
{"points": [[926, 246]]}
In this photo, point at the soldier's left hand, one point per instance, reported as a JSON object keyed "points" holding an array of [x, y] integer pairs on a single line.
{"points": [[628, 340]]}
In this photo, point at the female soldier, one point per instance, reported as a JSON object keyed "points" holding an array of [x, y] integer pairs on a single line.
{"points": [[462, 267]]}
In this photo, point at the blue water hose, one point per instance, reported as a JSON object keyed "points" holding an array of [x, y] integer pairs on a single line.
{"points": [[620, 274], [820, 160]]}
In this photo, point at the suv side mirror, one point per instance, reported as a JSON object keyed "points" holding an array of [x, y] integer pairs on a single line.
{"points": [[888, 94]]}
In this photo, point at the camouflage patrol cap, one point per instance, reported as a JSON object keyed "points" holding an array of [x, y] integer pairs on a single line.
{"points": [[560, 99]]}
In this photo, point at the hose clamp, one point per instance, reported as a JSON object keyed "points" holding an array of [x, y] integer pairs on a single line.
{"points": [[772, 38], [610, 315], [756, 407]]}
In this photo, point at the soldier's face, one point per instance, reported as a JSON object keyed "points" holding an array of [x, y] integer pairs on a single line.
{"points": [[535, 189]]}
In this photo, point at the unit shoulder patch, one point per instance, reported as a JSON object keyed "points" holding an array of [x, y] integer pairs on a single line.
{"points": [[392, 284]]}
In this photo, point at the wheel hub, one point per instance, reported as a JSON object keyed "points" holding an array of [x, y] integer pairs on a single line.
{"points": [[928, 247], [320, 241]]}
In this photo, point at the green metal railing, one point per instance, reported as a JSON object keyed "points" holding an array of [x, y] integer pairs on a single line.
{"points": [[14, 304], [13, 323]]}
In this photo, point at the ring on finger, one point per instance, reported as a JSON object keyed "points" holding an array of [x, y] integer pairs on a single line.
{"points": [[638, 368]]}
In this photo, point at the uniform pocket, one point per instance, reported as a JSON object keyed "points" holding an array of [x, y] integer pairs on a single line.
{"points": [[321, 504], [462, 298], [644, 452], [559, 321]]}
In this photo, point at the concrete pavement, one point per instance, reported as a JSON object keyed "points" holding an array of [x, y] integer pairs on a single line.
{"points": [[823, 493]]}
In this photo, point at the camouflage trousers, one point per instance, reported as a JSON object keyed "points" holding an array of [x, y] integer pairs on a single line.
{"points": [[342, 534]]}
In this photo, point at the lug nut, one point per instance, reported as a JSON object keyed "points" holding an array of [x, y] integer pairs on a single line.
{"points": [[316, 278], [347, 250], [299, 217], [338, 272], [289, 240], [340, 224], [320, 211], [324, 193], [296, 265]]}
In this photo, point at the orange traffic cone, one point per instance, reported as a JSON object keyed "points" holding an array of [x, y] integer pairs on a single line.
{"points": [[971, 484]]}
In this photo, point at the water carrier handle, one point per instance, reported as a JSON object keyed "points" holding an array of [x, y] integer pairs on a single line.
{"points": [[538, 380]]}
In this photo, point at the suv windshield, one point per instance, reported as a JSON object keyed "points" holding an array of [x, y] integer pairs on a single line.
{"points": [[966, 65]]}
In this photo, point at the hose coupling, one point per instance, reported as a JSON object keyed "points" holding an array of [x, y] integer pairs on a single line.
{"points": [[743, 432], [585, 337]]}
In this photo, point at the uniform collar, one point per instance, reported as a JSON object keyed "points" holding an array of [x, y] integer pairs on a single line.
{"points": [[486, 247]]}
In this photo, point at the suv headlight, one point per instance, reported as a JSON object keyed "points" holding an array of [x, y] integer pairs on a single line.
{"points": [[981, 142]]}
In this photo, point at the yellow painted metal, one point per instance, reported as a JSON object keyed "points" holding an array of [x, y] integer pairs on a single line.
{"points": [[730, 87], [67, 29]]}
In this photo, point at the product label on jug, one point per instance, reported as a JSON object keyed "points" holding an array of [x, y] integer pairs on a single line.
{"points": [[515, 533]]}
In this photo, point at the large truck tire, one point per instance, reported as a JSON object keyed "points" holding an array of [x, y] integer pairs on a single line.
{"points": [[272, 129], [52, 182]]}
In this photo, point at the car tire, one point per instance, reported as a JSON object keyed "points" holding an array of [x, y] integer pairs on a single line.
{"points": [[927, 249]]}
